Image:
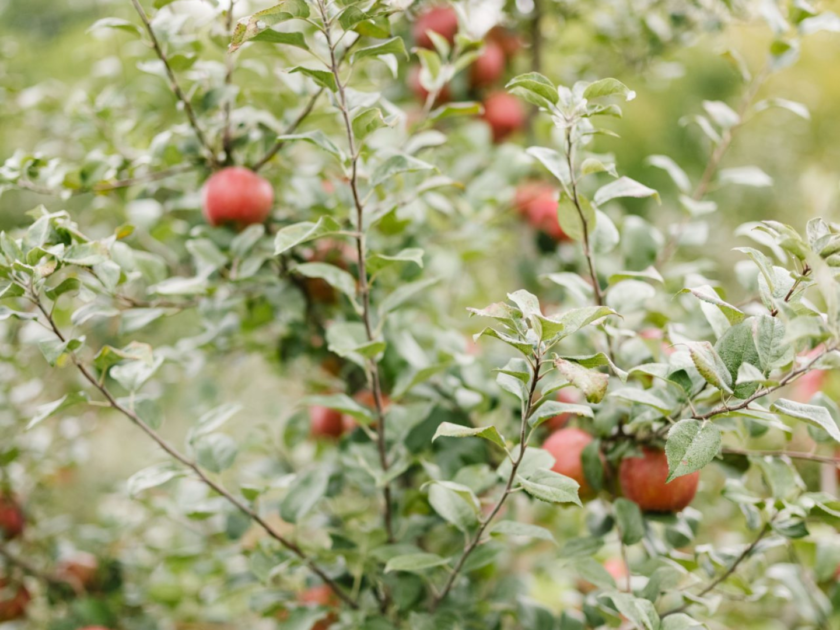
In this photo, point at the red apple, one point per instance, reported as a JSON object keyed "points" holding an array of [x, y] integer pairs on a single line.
{"points": [[507, 39], [12, 520], [238, 196], [320, 596], [79, 570], [565, 395], [422, 93], [643, 482], [537, 201], [505, 115], [806, 386], [441, 20], [13, 600], [325, 422], [566, 446], [489, 66]]}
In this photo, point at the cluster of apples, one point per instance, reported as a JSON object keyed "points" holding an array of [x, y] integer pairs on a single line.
{"points": [[642, 478], [503, 112]]}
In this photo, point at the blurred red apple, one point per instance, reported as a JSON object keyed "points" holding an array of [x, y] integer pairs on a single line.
{"points": [[537, 202], [441, 20], [505, 115], [643, 482], [79, 570], [325, 422], [238, 196], [806, 386], [566, 446], [12, 520], [320, 596], [14, 598], [489, 67]]}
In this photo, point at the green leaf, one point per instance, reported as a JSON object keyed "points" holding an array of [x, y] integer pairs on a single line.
{"points": [[608, 87], [535, 88], [592, 383], [395, 165], [404, 293], [630, 521], [304, 232], [342, 403], [334, 276], [415, 562], [42, 412], [576, 219], [593, 466], [319, 139], [216, 452], [450, 110], [248, 28], [594, 572], [551, 487], [681, 621], [215, 418], [710, 365], [152, 477], [270, 36], [393, 46], [525, 530], [745, 176], [623, 187], [551, 408], [85, 254], [305, 492], [642, 397], [640, 612], [367, 121], [811, 414], [736, 349], [453, 507], [673, 169], [553, 161], [375, 262], [323, 78], [691, 445], [707, 294], [349, 340], [115, 23], [447, 429]]}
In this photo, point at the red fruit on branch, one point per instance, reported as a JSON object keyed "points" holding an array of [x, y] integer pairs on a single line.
{"points": [[566, 446], [643, 482], [441, 20], [505, 115], [12, 520], [79, 570], [489, 67], [14, 599], [238, 196], [537, 202], [325, 422]]}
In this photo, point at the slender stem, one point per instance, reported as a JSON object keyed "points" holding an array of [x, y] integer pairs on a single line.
{"points": [[792, 454], [227, 139], [724, 576], [587, 249], [790, 377], [193, 466], [712, 165], [275, 149], [174, 85], [523, 445], [361, 252]]}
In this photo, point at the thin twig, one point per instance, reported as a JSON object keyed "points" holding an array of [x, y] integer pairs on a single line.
{"points": [[193, 466], [227, 140], [724, 576], [523, 445], [361, 251], [275, 149], [174, 85], [792, 454]]}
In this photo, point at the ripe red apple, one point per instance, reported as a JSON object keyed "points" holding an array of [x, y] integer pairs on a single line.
{"points": [[441, 20], [13, 600], [507, 39], [79, 570], [565, 395], [489, 66], [643, 482], [238, 196], [12, 520], [444, 96], [320, 596], [566, 446], [325, 422], [537, 202], [505, 115]]}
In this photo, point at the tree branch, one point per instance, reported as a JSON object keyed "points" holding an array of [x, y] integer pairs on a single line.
{"points": [[792, 454], [361, 251], [523, 445], [174, 85], [193, 466], [274, 150]]}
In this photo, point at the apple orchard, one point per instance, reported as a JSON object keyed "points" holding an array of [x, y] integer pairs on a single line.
{"points": [[347, 314]]}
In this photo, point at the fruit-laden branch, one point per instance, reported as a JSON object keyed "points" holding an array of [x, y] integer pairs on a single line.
{"points": [[361, 251], [789, 378], [712, 165], [193, 466], [174, 85], [523, 446], [724, 576], [103, 187], [31, 569]]}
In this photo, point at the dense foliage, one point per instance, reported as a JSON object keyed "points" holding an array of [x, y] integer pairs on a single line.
{"points": [[259, 279]]}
